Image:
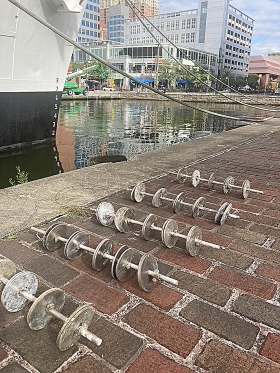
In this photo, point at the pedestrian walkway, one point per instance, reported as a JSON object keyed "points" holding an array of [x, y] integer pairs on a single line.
{"points": [[223, 316]]}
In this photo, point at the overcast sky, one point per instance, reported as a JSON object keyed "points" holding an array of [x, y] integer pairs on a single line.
{"points": [[266, 13]]}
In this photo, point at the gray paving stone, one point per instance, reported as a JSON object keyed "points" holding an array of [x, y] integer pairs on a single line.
{"points": [[16, 252], [258, 310], [204, 288], [88, 364], [230, 258], [52, 270], [221, 323], [118, 345], [7, 317], [38, 348]]}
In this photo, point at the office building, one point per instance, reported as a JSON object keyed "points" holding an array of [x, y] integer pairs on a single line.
{"points": [[89, 28], [215, 26], [147, 7]]}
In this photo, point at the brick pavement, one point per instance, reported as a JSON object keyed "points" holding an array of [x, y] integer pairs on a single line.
{"points": [[223, 317]]}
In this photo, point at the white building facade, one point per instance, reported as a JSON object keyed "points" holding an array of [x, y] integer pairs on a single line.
{"points": [[214, 27], [89, 28]]}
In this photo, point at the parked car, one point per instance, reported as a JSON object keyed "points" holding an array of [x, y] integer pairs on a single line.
{"points": [[109, 89]]}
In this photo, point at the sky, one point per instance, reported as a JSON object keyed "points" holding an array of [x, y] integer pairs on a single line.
{"points": [[266, 13]]}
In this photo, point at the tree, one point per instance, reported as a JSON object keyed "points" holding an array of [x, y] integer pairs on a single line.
{"points": [[101, 74], [167, 73], [253, 81]]}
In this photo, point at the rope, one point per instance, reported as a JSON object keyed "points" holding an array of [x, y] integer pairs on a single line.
{"points": [[97, 58], [133, 8]]}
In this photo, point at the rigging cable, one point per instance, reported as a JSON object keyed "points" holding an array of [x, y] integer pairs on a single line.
{"points": [[133, 8], [78, 46]]}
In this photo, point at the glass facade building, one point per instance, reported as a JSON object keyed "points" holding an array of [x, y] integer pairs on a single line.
{"points": [[89, 28], [214, 27]]}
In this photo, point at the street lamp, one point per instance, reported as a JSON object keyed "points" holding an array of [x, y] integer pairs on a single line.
{"points": [[259, 83]]}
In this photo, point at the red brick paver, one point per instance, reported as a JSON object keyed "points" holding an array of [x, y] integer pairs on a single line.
{"points": [[271, 347], [224, 316], [217, 357], [102, 297], [169, 332], [151, 361], [245, 282], [3, 354]]}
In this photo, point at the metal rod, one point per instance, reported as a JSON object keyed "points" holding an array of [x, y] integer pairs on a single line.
{"points": [[234, 216], [251, 190], [256, 191], [49, 308], [152, 273], [202, 179], [90, 336], [84, 247], [59, 238], [201, 242], [135, 221], [155, 228], [217, 182], [3, 279], [27, 295], [167, 199], [185, 203], [165, 278], [176, 234], [107, 256], [38, 230], [91, 250], [83, 331]]}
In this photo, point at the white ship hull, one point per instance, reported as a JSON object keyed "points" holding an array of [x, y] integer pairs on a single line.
{"points": [[33, 67]]}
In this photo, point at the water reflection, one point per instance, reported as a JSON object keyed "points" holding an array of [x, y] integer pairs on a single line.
{"points": [[116, 128], [91, 132], [39, 162]]}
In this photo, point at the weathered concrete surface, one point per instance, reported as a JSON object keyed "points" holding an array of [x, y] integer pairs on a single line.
{"points": [[32, 203]]}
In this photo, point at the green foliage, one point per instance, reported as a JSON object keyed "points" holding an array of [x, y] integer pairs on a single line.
{"points": [[169, 71], [253, 80], [9, 237], [21, 177], [73, 211], [101, 74], [75, 66]]}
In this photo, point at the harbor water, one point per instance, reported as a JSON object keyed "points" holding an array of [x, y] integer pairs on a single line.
{"points": [[95, 131]]}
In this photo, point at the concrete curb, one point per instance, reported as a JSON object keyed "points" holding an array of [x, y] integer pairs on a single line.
{"points": [[35, 202]]}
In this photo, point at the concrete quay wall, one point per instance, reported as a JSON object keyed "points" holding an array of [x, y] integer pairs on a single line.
{"points": [[32, 203], [209, 98]]}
